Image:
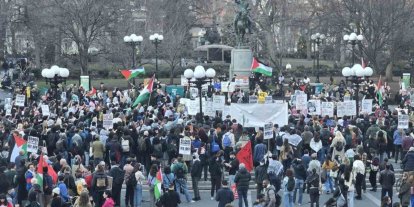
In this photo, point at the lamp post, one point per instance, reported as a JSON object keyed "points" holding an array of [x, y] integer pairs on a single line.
{"points": [[201, 77], [156, 39], [288, 66], [353, 39], [317, 40], [133, 40], [357, 75], [55, 76]]}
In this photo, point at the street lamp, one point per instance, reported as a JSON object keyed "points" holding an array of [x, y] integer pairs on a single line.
{"points": [[201, 77], [317, 40], [133, 40], [55, 76], [357, 74], [288, 66], [353, 39], [156, 39]]}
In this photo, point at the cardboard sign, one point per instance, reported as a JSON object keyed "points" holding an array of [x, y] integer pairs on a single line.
{"points": [[218, 103], [253, 99], [32, 144], [403, 121], [185, 146], [327, 109], [107, 122], [45, 110], [268, 131], [366, 106], [20, 99]]}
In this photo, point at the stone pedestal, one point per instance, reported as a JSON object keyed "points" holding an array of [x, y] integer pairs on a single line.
{"points": [[241, 62]]}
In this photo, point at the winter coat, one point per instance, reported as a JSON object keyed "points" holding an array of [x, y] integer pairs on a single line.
{"points": [[109, 202], [405, 193], [196, 169], [408, 161], [242, 179], [387, 179], [224, 196], [260, 173], [170, 199]]}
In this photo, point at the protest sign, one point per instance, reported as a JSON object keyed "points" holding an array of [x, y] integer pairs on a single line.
{"points": [[403, 120], [242, 80], [341, 109], [228, 86], [255, 115], [32, 144], [314, 107], [327, 109], [20, 99], [366, 106], [193, 107], [218, 103], [107, 122], [208, 108], [45, 110], [253, 99], [301, 101], [268, 99], [268, 131], [194, 92], [226, 111], [293, 139], [185, 146], [7, 101], [85, 82], [350, 108]]}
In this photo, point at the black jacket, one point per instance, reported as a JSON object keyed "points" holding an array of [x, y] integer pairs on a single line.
{"points": [[242, 179], [196, 169], [215, 168], [170, 199], [118, 176], [409, 161], [260, 173], [387, 179], [224, 196]]}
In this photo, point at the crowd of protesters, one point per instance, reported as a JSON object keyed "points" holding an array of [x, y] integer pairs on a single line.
{"points": [[88, 163]]}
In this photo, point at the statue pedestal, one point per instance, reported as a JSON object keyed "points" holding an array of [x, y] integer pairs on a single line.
{"points": [[241, 62]]}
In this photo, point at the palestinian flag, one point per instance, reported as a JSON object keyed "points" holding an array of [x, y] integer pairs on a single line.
{"points": [[379, 91], [91, 92], [128, 74], [145, 94], [19, 145], [158, 184], [39, 173], [258, 67]]}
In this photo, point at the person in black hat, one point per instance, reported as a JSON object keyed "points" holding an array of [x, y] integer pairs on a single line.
{"points": [[171, 198]]}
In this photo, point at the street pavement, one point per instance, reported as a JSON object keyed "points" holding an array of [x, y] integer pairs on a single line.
{"points": [[369, 198]]}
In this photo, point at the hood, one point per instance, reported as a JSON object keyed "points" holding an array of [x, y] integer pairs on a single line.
{"points": [[243, 171], [110, 201]]}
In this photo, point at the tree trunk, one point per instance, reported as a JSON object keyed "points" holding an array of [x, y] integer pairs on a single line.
{"points": [[388, 71], [309, 49], [172, 75], [13, 39], [83, 60]]}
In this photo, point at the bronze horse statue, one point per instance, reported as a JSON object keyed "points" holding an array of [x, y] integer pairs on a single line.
{"points": [[242, 22]]}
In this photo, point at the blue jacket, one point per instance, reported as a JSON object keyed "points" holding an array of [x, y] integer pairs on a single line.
{"points": [[259, 152], [63, 191], [397, 137]]}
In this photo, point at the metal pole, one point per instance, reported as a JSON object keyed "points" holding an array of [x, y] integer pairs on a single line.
{"points": [[199, 86], [357, 96], [317, 62], [156, 58], [133, 59], [353, 53]]}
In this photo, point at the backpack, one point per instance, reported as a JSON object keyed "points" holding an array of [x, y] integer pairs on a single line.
{"points": [[226, 140], [158, 150], [290, 186], [279, 140], [125, 145], [101, 182], [348, 139], [214, 146], [132, 181], [60, 144], [341, 201], [339, 146], [277, 196], [142, 144], [179, 172], [274, 180]]}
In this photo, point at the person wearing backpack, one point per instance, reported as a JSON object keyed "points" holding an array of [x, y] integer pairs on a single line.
{"points": [[270, 194], [180, 170], [338, 145], [130, 182], [99, 185], [242, 180], [288, 185], [228, 143]]}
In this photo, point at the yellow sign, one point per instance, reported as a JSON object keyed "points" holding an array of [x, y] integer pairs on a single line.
{"points": [[262, 97]]}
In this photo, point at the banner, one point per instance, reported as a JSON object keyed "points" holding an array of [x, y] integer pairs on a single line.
{"points": [[255, 115], [45, 110], [327, 109], [218, 103], [366, 106], [301, 101], [32, 144], [107, 121], [185, 146], [268, 131], [253, 99], [403, 121], [20, 99], [314, 107], [175, 90]]}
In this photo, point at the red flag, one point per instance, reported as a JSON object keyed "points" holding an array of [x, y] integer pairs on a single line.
{"points": [[245, 156], [92, 92], [159, 175], [379, 84]]}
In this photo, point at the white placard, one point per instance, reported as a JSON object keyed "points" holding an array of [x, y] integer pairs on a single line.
{"points": [[32, 144], [314, 107], [253, 99], [45, 110], [268, 99], [208, 108], [255, 115], [347, 98], [366, 106], [412, 99], [20, 100], [219, 102], [327, 109], [228, 86], [403, 121], [268, 131], [7, 101], [194, 92], [350, 107], [341, 109], [226, 111], [301, 101], [193, 107], [107, 122], [185, 146]]}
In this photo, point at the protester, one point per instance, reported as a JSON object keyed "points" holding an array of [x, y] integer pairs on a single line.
{"points": [[109, 202], [224, 195], [387, 180], [171, 198]]}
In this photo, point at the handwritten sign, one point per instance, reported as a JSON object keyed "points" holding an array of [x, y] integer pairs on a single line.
{"points": [[107, 122], [193, 107], [403, 121], [366, 106], [341, 109], [253, 99], [301, 101], [20, 100], [32, 144], [327, 109], [218, 103], [350, 107], [268, 131], [185, 146], [45, 110], [208, 108]]}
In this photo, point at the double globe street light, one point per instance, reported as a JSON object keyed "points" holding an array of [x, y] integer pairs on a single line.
{"points": [[357, 74], [317, 40], [156, 39], [133, 40], [55, 76], [201, 77]]}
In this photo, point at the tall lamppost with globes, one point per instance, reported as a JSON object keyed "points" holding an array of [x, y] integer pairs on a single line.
{"points": [[133, 40], [201, 77], [317, 40], [353, 39], [156, 39], [55, 76], [357, 75]]}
